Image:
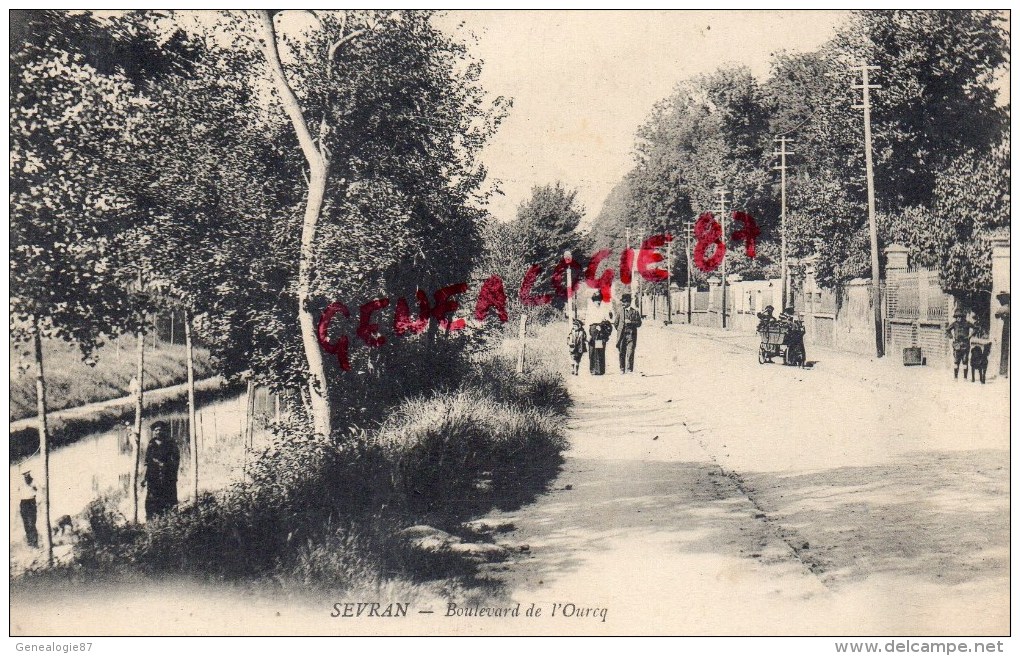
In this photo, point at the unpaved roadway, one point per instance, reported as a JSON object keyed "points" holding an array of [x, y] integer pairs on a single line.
{"points": [[708, 494], [703, 495]]}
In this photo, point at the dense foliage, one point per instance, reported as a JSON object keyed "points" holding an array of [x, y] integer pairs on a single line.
{"points": [[938, 131], [152, 165]]}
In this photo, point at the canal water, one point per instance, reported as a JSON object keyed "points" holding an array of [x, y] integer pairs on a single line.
{"points": [[100, 463]]}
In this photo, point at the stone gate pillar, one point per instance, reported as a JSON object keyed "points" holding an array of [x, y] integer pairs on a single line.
{"points": [[1000, 286], [715, 298]]}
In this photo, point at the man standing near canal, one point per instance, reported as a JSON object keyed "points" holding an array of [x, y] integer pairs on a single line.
{"points": [[27, 505], [627, 324], [162, 460]]}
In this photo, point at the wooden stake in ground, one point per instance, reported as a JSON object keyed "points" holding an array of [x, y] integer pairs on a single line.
{"points": [[249, 419], [521, 334], [249, 416], [44, 444], [192, 417]]}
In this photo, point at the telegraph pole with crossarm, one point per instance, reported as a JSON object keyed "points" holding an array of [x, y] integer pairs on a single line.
{"points": [[866, 88], [782, 153], [722, 220], [688, 230]]}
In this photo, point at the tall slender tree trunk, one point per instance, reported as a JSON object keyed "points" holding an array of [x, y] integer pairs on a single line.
{"points": [[318, 167], [140, 377], [249, 416], [192, 415], [44, 444]]}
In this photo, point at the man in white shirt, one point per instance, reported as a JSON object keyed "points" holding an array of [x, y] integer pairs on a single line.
{"points": [[26, 495]]}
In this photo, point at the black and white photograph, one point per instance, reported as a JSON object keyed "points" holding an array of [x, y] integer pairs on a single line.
{"points": [[494, 322]]}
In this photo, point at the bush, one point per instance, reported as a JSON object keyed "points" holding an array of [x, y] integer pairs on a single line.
{"points": [[441, 447], [107, 539], [325, 511]]}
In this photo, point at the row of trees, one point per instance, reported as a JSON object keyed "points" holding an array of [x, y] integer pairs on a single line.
{"points": [[941, 144], [248, 167]]}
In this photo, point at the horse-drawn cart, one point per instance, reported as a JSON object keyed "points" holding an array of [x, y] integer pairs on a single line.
{"points": [[785, 339]]}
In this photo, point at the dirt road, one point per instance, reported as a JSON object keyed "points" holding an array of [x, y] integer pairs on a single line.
{"points": [[703, 495], [708, 494]]}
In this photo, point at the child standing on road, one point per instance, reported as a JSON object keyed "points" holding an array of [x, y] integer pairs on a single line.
{"points": [[576, 341], [961, 331]]}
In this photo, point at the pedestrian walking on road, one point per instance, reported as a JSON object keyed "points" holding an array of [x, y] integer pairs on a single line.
{"points": [[627, 326], [162, 460], [961, 331], [28, 507], [599, 329], [576, 342]]}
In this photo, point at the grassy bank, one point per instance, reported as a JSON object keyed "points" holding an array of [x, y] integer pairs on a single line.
{"points": [[70, 382], [330, 515]]}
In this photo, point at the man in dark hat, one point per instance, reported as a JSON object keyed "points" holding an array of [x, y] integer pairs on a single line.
{"points": [[961, 331], [162, 460], [1003, 313], [627, 324], [766, 318]]}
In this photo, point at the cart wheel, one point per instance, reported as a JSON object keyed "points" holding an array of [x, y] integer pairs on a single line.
{"points": [[786, 355], [762, 355]]}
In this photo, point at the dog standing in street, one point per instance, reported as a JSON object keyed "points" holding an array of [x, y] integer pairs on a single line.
{"points": [[979, 351]]}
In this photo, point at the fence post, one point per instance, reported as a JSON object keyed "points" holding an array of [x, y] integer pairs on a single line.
{"points": [[521, 334]]}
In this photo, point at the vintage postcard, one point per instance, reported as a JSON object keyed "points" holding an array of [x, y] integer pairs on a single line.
{"points": [[504, 323]]}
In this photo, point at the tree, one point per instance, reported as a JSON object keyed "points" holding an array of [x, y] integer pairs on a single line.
{"points": [[971, 205], [71, 109], [937, 70], [713, 131], [937, 102], [398, 117], [547, 222]]}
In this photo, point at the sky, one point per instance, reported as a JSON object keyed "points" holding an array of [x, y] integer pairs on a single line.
{"points": [[583, 81]]}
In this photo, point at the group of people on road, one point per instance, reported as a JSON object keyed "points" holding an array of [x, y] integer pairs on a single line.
{"points": [[162, 462], [603, 321], [787, 319], [972, 345]]}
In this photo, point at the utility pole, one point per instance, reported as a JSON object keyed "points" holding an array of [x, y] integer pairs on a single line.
{"points": [[633, 272], [669, 277], [568, 257], [865, 86], [632, 257], [722, 219], [782, 153], [687, 233]]}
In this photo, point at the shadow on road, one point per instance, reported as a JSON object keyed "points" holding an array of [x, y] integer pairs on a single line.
{"points": [[940, 517]]}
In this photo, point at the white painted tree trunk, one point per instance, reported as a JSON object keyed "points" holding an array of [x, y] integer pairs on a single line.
{"points": [[140, 378], [318, 166], [192, 414], [44, 445]]}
